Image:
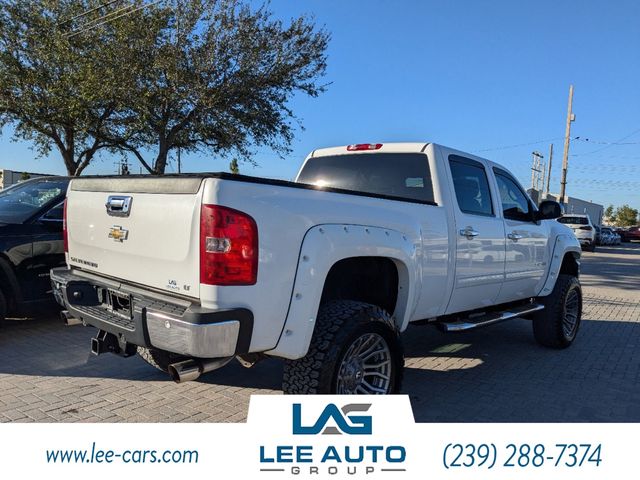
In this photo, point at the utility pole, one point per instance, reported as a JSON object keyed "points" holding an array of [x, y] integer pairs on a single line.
{"points": [[542, 176], [536, 170], [179, 164], [565, 157], [546, 191]]}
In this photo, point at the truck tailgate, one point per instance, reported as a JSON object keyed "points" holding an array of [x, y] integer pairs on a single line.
{"points": [[148, 235]]}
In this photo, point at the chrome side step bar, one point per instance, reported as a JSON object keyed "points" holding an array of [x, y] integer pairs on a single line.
{"points": [[490, 318]]}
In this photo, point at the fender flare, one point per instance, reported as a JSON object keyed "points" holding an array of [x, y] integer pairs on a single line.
{"points": [[325, 245], [564, 244]]}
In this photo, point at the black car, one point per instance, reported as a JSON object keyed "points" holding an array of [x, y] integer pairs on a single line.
{"points": [[31, 243]]}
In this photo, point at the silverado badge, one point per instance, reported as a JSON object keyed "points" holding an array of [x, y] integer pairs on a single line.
{"points": [[118, 233]]}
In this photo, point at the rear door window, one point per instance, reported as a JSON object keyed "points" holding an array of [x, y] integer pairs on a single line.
{"points": [[471, 186], [515, 204]]}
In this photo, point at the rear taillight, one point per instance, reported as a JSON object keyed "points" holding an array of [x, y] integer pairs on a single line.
{"points": [[586, 228], [65, 231], [228, 247], [364, 146]]}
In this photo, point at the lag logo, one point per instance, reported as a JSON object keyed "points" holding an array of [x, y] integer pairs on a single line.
{"points": [[352, 449], [345, 423]]}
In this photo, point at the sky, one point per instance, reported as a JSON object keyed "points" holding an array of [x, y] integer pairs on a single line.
{"points": [[486, 77]]}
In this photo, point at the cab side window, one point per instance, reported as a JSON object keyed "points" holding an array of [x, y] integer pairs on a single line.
{"points": [[471, 186], [515, 203]]}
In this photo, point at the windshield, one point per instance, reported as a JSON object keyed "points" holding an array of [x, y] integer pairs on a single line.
{"points": [[21, 201], [574, 220]]}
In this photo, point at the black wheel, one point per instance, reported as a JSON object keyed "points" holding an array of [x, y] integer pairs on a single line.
{"points": [[592, 248], [557, 325], [159, 359], [355, 349]]}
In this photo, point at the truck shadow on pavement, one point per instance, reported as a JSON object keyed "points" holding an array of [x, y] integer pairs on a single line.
{"points": [[501, 374]]}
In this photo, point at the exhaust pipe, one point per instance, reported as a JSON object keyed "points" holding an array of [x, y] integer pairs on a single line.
{"points": [[191, 369], [68, 320]]}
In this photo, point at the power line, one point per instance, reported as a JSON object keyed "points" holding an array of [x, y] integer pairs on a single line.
{"points": [[611, 144], [578, 138], [106, 16], [89, 11], [128, 12], [588, 140], [506, 147], [102, 19]]}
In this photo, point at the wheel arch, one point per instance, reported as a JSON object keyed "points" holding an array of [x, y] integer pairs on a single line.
{"points": [[339, 261], [565, 259]]}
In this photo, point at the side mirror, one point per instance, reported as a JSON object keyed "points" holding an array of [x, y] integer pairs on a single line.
{"points": [[549, 210]]}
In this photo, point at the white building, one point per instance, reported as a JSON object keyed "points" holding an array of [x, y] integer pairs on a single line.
{"points": [[10, 177], [577, 205]]}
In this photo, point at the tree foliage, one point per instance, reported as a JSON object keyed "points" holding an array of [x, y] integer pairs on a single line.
{"points": [[218, 80], [233, 166], [609, 213], [625, 216], [214, 76], [60, 90]]}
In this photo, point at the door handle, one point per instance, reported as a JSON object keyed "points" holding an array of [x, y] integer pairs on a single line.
{"points": [[515, 236], [469, 232], [118, 206]]}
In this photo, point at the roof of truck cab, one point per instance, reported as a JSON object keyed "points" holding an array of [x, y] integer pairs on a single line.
{"points": [[395, 147], [391, 147]]}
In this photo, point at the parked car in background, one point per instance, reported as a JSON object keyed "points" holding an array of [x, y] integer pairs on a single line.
{"points": [[31, 217], [582, 228], [630, 234], [620, 231], [605, 237], [612, 237], [598, 235]]}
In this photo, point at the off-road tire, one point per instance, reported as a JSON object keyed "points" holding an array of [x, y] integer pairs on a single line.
{"points": [[160, 359], [548, 323], [339, 325]]}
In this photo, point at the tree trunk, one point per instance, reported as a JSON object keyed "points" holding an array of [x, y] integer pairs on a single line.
{"points": [[161, 160], [69, 162]]}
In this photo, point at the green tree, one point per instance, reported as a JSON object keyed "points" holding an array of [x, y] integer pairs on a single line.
{"points": [[626, 216], [24, 176], [609, 214], [219, 80], [233, 166], [59, 89]]}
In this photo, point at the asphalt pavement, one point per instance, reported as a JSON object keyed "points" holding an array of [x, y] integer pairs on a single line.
{"points": [[497, 374]]}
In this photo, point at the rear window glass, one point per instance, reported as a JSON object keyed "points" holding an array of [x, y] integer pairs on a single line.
{"points": [[574, 220], [402, 175]]}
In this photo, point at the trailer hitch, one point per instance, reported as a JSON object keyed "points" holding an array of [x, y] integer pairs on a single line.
{"points": [[105, 342]]}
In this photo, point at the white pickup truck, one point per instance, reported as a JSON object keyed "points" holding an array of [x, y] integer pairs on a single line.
{"points": [[191, 271]]}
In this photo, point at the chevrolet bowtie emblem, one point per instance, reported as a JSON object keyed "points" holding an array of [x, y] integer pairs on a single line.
{"points": [[118, 233]]}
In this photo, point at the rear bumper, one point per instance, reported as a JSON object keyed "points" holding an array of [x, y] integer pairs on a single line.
{"points": [[154, 320]]}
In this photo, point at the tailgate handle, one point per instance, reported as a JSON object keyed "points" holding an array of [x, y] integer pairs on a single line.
{"points": [[118, 206]]}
